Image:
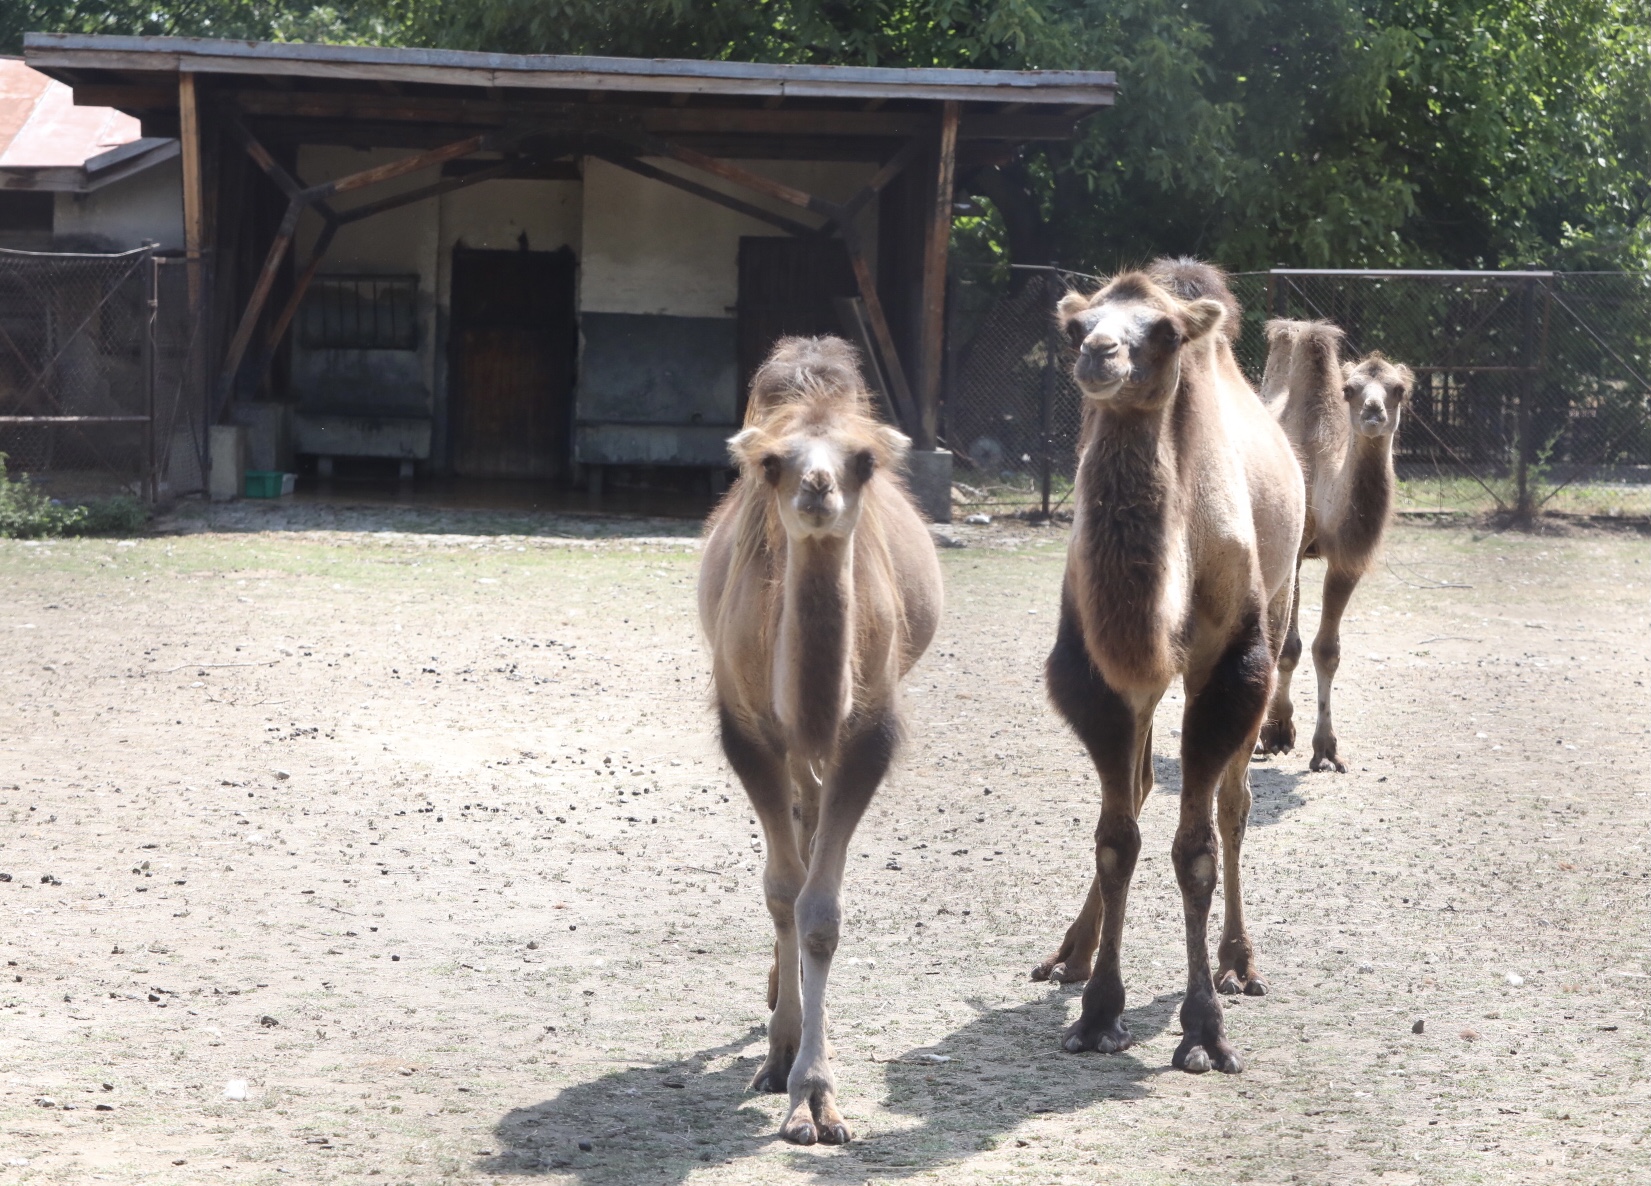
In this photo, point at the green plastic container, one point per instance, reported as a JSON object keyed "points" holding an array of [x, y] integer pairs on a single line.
{"points": [[263, 483]]}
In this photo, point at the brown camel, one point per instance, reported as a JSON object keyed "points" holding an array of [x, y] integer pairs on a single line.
{"points": [[1188, 514], [819, 589], [1341, 418]]}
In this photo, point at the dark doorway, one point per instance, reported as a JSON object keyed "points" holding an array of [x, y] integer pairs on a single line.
{"points": [[786, 286], [512, 354]]}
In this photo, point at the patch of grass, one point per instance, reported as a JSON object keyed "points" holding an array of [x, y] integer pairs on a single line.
{"points": [[26, 512]]}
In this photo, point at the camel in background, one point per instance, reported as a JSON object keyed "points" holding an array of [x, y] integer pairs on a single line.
{"points": [[1188, 515], [1341, 418], [819, 590]]}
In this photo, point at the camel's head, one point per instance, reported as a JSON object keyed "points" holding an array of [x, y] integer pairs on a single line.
{"points": [[1129, 338], [810, 438], [1376, 389]]}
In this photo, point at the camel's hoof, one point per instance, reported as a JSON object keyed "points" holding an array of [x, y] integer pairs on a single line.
{"points": [[1196, 1060], [1061, 972], [1319, 764], [1232, 984], [835, 1134], [1103, 1039], [800, 1132], [1277, 737], [772, 1077]]}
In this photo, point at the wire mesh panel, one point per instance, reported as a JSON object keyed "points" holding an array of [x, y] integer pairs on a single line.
{"points": [[97, 372], [1012, 412], [1531, 388]]}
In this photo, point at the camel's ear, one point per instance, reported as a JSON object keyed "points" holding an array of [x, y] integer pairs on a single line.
{"points": [[1347, 369], [1408, 378], [1203, 316], [895, 445], [1070, 306], [746, 447]]}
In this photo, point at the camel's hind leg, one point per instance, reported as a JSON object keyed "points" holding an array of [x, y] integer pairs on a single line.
{"points": [[1237, 970], [763, 773], [1225, 704], [1338, 591], [1117, 734], [1278, 734], [863, 760]]}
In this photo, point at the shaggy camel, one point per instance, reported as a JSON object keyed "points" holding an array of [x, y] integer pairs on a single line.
{"points": [[1189, 509], [1341, 418], [819, 589]]}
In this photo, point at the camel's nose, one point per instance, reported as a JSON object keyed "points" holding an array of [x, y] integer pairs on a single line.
{"points": [[1099, 345], [814, 491]]}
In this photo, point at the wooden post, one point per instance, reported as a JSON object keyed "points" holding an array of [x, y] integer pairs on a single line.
{"points": [[194, 193], [932, 327], [867, 284], [255, 305]]}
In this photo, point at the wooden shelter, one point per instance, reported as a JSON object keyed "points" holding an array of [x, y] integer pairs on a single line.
{"points": [[516, 265]]}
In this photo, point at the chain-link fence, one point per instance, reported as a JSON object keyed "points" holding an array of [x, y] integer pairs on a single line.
{"points": [[101, 387], [1532, 388]]}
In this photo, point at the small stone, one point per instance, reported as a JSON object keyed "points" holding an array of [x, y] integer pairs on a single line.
{"points": [[1470, 1035], [533, 945], [268, 1022], [1514, 979], [235, 1089], [978, 520], [1367, 967], [585, 1146], [1419, 1025], [282, 776]]}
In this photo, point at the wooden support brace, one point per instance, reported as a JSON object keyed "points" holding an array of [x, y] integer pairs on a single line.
{"points": [[867, 284], [728, 171], [194, 192], [895, 165], [394, 169], [643, 169], [932, 326], [434, 190], [300, 286], [255, 303]]}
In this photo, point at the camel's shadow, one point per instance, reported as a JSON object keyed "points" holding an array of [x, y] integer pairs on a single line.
{"points": [[662, 1122], [1274, 791]]}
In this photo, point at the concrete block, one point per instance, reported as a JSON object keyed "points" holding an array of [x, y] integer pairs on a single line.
{"points": [[929, 477], [228, 451]]}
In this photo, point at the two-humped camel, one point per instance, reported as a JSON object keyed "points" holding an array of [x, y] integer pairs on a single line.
{"points": [[820, 588], [1341, 418], [1188, 514]]}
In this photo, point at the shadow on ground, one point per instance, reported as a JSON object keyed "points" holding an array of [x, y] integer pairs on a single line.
{"points": [[1274, 792], [660, 1123]]}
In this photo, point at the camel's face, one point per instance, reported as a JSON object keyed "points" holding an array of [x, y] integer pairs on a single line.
{"points": [[818, 474], [1129, 338], [1376, 391]]}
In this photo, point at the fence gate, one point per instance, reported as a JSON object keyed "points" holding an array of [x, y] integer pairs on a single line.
{"points": [[100, 385]]}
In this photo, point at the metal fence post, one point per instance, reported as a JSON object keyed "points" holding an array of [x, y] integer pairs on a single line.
{"points": [[1046, 409], [1524, 504], [151, 475]]}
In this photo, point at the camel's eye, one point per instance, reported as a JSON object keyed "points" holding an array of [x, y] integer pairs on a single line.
{"points": [[1076, 332], [771, 469], [864, 464]]}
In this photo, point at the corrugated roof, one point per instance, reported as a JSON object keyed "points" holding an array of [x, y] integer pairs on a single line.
{"points": [[41, 128]]}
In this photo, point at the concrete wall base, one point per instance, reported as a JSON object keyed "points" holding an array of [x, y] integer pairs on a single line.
{"points": [[929, 476], [228, 452]]}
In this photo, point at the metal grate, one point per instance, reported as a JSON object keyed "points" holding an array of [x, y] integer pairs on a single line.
{"points": [[360, 313]]}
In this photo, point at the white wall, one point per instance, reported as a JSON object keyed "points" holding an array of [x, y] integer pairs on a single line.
{"points": [[651, 248], [145, 207]]}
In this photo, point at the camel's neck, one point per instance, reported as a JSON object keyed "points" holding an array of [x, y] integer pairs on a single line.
{"points": [[1125, 551], [1364, 497], [813, 675]]}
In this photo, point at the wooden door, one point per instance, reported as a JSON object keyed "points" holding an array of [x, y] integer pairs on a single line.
{"points": [[786, 286], [512, 355]]}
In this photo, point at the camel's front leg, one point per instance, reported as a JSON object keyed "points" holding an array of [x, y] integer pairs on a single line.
{"points": [[1338, 591], [1278, 734], [863, 760], [763, 774], [1224, 710], [1117, 734]]}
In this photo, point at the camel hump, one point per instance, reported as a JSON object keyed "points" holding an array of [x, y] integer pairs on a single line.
{"points": [[1193, 279], [1318, 354], [801, 370]]}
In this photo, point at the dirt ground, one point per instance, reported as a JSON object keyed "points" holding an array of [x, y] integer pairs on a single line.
{"points": [[553, 967]]}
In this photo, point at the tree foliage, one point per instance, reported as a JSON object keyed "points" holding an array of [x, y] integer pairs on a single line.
{"points": [[1465, 133]]}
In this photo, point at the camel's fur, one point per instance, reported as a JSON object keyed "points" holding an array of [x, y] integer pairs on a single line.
{"points": [[819, 589], [1188, 516], [1341, 418]]}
